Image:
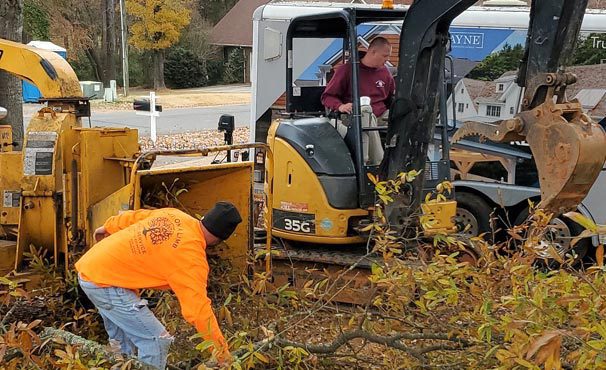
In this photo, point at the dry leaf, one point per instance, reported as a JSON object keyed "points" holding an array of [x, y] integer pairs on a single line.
{"points": [[547, 350], [599, 255]]}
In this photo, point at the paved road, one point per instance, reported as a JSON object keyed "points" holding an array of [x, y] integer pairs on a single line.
{"points": [[171, 121]]}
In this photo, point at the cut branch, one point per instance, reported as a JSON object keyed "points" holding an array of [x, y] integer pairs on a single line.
{"points": [[89, 347], [393, 341]]}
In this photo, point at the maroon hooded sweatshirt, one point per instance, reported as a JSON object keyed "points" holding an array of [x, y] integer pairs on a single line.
{"points": [[376, 83]]}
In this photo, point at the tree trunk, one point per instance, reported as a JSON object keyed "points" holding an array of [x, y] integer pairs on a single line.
{"points": [[107, 60], [93, 58], [110, 46], [104, 42], [11, 98], [159, 70]]}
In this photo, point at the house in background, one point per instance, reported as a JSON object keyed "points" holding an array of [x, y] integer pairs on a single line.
{"points": [[590, 89], [499, 99], [235, 30], [466, 92]]}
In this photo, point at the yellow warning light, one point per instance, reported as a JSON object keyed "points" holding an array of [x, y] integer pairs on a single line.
{"points": [[387, 4]]}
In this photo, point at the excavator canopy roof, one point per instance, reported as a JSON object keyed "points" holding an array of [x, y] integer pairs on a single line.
{"points": [[334, 24]]}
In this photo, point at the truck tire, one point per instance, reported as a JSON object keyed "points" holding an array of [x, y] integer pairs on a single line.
{"points": [[473, 211], [562, 233]]}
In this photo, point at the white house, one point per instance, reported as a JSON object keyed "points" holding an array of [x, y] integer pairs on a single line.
{"points": [[466, 92], [499, 99]]}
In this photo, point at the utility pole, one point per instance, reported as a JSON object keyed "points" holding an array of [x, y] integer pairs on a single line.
{"points": [[124, 47]]}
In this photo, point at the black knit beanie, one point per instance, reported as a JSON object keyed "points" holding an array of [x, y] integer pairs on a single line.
{"points": [[221, 220]]}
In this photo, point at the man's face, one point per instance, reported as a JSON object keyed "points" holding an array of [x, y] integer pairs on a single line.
{"points": [[379, 55], [209, 238], [212, 241]]}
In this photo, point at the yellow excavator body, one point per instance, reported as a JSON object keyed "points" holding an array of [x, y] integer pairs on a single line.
{"points": [[301, 210]]}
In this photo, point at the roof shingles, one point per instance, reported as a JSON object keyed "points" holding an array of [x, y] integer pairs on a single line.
{"points": [[235, 28]]}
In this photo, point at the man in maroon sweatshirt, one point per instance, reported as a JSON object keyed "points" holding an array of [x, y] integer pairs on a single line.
{"points": [[375, 81]]}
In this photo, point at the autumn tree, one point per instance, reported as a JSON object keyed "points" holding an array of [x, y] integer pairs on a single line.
{"points": [[157, 25], [11, 28]]}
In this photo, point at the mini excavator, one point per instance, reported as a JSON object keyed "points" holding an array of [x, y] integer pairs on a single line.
{"points": [[321, 192]]}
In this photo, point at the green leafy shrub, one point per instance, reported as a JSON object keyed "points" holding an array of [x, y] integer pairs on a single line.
{"points": [[234, 66], [182, 69]]}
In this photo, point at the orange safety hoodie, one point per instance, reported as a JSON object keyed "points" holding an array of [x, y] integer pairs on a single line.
{"points": [[163, 248]]}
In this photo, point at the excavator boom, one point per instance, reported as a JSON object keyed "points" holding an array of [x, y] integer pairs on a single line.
{"points": [[414, 110], [569, 148]]}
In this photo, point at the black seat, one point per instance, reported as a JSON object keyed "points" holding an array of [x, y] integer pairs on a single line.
{"points": [[308, 102]]}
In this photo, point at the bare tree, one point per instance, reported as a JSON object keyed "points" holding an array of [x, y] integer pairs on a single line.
{"points": [[109, 41], [11, 28]]}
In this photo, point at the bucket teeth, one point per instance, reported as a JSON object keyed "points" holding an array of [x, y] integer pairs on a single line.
{"points": [[466, 131], [501, 132]]}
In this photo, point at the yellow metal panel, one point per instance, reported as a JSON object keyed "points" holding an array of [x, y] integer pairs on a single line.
{"points": [[205, 186], [109, 206], [38, 226], [44, 128], [7, 256], [297, 188], [53, 76], [10, 185], [439, 217], [101, 177]]}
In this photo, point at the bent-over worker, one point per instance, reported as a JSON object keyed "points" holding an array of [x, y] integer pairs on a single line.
{"points": [[146, 249]]}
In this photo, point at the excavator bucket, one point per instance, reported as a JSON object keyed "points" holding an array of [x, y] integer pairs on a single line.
{"points": [[569, 149]]}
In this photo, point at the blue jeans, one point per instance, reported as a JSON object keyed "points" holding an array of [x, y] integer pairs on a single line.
{"points": [[130, 323]]}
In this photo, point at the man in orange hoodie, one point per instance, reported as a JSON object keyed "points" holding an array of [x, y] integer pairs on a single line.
{"points": [[146, 249]]}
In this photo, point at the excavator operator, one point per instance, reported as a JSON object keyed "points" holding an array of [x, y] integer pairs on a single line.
{"points": [[377, 88], [375, 81]]}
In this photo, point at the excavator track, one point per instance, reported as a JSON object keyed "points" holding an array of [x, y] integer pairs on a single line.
{"points": [[346, 271]]}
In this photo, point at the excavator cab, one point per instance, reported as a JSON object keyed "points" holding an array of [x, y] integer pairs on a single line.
{"points": [[321, 189]]}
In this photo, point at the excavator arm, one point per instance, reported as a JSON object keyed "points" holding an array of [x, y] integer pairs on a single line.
{"points": [[569, 148], [414, 110], [53, 76]]}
